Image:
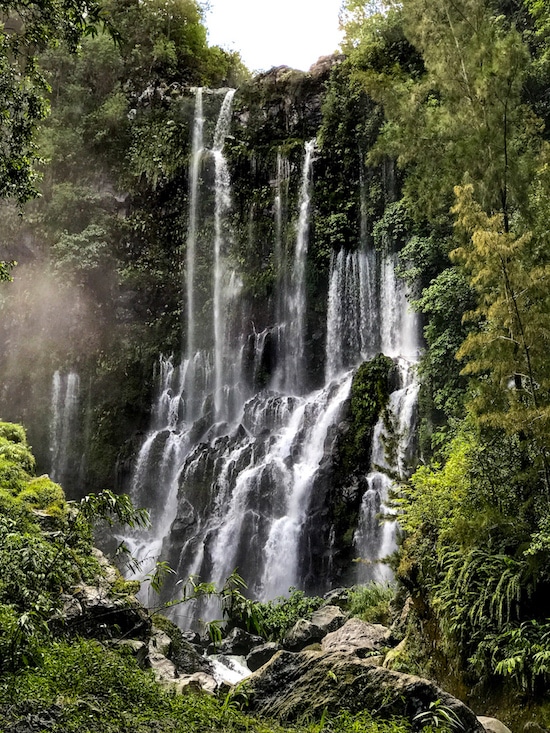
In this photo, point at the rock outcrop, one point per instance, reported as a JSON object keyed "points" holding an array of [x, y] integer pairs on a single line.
{"points": [[294, 684]]}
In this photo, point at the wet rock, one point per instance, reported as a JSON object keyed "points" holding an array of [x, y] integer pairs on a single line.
{"points": [[238, 643], [260, 655]]}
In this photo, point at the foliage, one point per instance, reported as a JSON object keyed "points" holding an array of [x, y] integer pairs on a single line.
{"points": [[37, 566], [371, 602], [439, 716], [510, 348], [521, 654], [273, 619], [85, 686]]}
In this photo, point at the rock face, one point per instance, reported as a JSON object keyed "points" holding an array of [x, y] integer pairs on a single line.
{"points": [[291, 685], [92, 611]]}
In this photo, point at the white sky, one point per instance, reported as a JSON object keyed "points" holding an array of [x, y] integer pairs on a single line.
{"points": [[275, 32]]}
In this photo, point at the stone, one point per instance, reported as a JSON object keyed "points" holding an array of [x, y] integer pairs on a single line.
{"points": [[160, 642], [302, 634], [338, 597], [329, 618], [492, 725], [357, 637], [163, 669], [139, 650], [238, 643], [292, 685], [104, 617], [197, 682], [191, 637], [188, 659], [260, 655]]}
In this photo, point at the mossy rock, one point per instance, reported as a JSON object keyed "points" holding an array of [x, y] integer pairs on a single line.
{"points": [[369, 396]]}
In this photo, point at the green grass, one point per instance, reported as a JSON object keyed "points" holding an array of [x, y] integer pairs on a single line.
{"points": [[371, 602]]}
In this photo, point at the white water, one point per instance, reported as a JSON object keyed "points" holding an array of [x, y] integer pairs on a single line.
{"points": [[222, 191], [194, 173], [63, 424], [292, 377]]}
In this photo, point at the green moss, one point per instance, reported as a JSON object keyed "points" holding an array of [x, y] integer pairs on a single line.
{"points": [[13, 432], [369, 396], [18, 453], [42, 493]]}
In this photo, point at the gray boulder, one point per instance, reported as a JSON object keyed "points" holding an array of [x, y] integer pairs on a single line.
{"points": [[329, 618], [196, 682], [357, 637], [492, 725], [293, 685], [302, 634]]}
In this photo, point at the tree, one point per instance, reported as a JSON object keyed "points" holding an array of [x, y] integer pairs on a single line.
{"points": [[462, 117], [510, 347], [26, 29]]}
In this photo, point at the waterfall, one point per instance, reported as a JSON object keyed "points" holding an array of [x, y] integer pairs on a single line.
{"points": [[295, 296], [239, 451], [393, 450], [63, 424], [222, 203], [281, 194], [154, 481], [194, 172], [258, 483]]}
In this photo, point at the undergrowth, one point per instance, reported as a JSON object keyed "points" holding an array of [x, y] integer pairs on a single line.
{"points": [[84, 687]]}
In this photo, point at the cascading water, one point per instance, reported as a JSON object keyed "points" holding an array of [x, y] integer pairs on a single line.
{"points": [[64, 421], [194, 173], [222, 191], [294, 298], [238, 450]]}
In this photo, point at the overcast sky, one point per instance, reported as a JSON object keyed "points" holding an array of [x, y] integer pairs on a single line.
{"points": [[275, 32]]}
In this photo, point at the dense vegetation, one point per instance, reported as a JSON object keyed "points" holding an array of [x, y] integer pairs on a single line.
{"points": [[463, 86]]}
